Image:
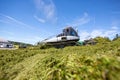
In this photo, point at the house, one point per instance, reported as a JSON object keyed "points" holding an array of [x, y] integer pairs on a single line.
{"points": [[5, 44]]}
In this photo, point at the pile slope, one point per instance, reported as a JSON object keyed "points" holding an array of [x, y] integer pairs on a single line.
{"points": [[96, 62]]}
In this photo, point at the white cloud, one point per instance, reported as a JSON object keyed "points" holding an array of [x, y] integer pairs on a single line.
{"points": [[84, 35], [81, 21], [46, 9], [7, 32], [10, 20], [115, 28], [39, 19], [28, 39], [3, 21], [31, 39], [25, 38], [96, 33], [103, 33]]}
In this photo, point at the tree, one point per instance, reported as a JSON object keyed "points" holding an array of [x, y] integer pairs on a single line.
{"points": [[116, 37]]}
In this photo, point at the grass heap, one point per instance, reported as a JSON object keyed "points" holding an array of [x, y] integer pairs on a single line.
{"points": [[97, 62]]}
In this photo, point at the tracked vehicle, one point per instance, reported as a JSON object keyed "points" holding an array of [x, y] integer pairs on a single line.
{"points": [[68, 37]]}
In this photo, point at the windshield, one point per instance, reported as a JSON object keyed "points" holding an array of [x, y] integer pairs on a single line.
{"points": [[68, 32]]}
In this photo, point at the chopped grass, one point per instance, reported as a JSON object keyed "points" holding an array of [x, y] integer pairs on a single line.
{"points": [[97, 62]]}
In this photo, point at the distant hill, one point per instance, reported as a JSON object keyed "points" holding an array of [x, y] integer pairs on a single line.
{"points": [[20, 43]]}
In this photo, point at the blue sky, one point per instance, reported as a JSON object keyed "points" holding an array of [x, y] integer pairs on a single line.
{"points": [[34, 20]]}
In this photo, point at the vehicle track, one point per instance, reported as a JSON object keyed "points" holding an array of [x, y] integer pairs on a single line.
{"points": [[27, 65]]}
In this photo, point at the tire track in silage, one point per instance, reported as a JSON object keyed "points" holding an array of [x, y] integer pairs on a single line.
{"points": [[28, 64]]}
